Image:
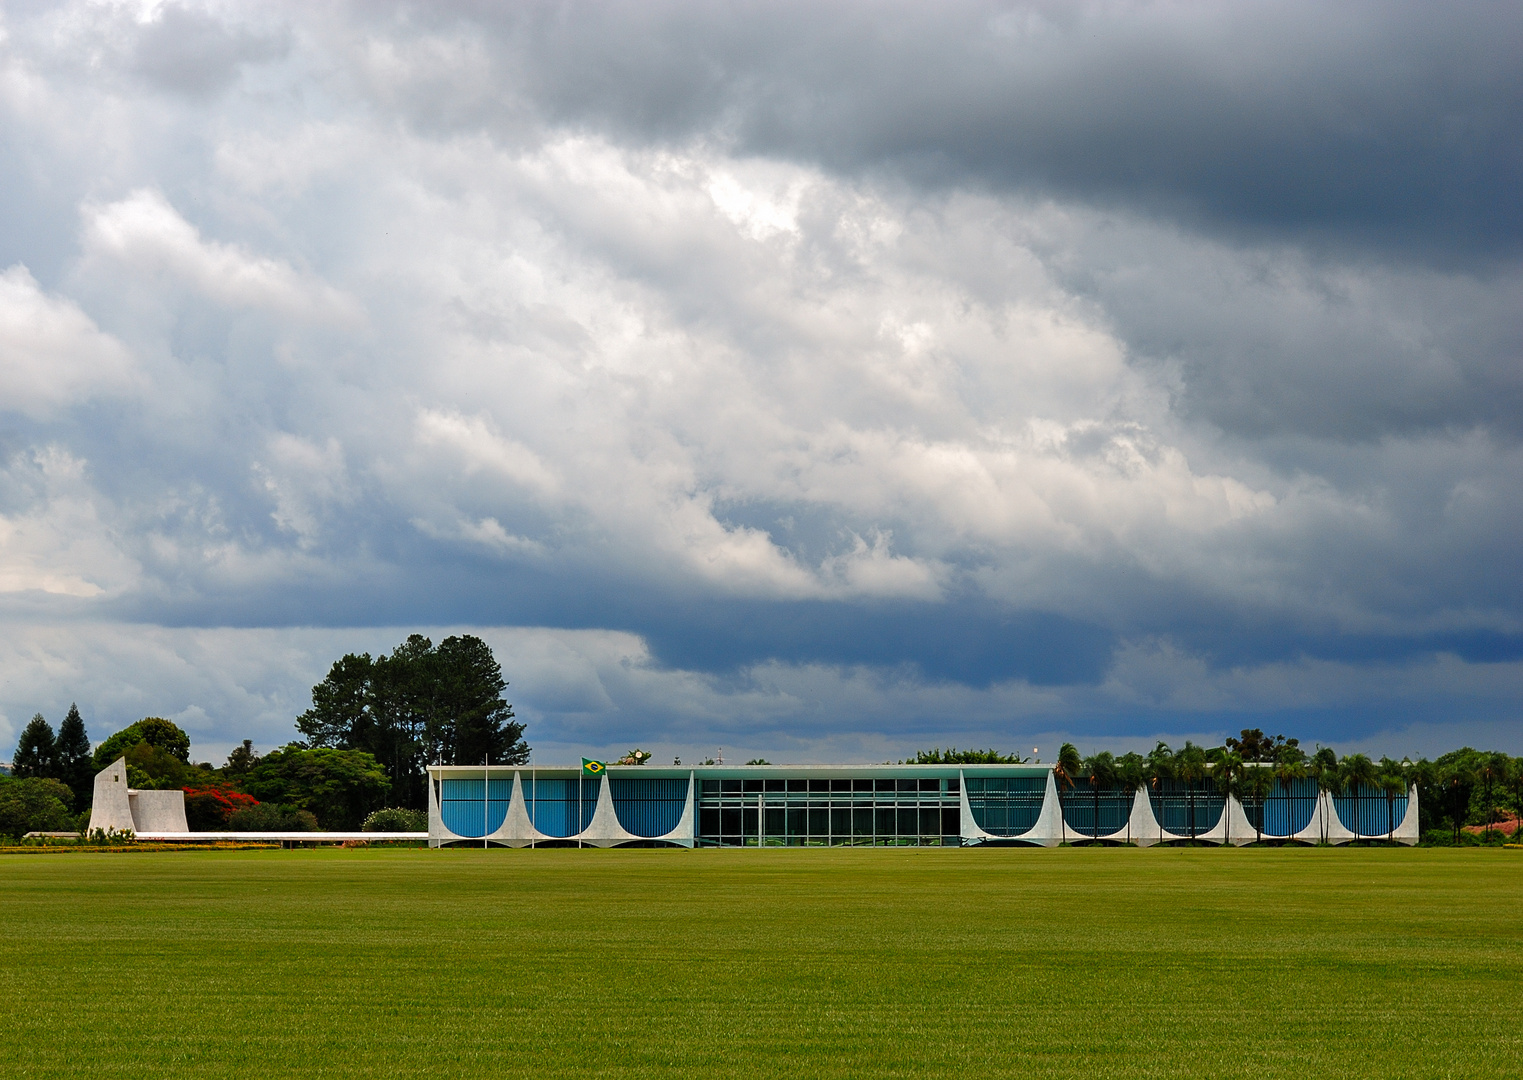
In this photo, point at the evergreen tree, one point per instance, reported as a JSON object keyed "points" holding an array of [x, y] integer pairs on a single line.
{"points": [[241, 760], [36, 750], [73, 754], [419, 705]]}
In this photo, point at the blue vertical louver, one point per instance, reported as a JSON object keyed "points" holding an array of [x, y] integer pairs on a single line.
{"points": [[1370, 814], [555, 806], [1287, 812], [469, 808], [648, 808]]}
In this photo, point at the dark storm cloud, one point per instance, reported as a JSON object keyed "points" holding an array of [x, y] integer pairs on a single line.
{"points": [[838, 376], [1395, 126]]}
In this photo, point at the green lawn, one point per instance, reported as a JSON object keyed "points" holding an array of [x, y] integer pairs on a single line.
{"points": [[854, 963]]}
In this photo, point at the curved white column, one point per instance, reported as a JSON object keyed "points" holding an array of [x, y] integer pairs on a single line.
{"points": [[682, 834], [1407, 832], [1039, 833]]}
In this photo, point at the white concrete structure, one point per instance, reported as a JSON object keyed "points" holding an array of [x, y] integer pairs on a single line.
{"points": [[517, 828], [120, 808], [497, 811]]}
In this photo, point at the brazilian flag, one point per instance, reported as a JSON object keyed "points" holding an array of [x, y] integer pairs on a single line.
{"points": [[592, 768]]}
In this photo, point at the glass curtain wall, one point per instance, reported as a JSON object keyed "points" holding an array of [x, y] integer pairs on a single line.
{"points": [[1185, 811], [1089, 816], [1006, 806], [797, 813]]}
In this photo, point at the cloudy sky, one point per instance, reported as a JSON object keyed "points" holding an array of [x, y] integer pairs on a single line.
{"points": [[816, 381]]}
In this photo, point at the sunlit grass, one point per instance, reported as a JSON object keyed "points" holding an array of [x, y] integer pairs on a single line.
{"points": [[850, 963]]}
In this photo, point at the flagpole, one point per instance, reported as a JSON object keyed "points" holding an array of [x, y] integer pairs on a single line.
{"points": [[486, 798]]}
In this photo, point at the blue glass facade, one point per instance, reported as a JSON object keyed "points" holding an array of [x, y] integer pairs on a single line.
{"points": [[648, 808], [1285, 812], [474, 807], [877, 805], [1369, 812], [555, 806]]}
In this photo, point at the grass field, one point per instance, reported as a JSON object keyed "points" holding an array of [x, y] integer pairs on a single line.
{"points": [[815, 963]]}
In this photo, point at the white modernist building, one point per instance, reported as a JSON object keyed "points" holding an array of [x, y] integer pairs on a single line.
{"points": [[887, 805], [160, 815], [121, 809]]}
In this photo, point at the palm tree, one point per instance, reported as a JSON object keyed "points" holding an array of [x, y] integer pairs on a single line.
{"points": [[1190, 767], [1517, 798], [1391, 778], [1258, 782], [1160, 773], [1227, 773], [1492, 771], [1457, 778], [1065, 772], [1289, 766], [1100, 771], [1357, 771], [1132, 773], [1324, 767]]}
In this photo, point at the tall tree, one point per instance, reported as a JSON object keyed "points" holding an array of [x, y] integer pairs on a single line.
{"points": [[1491, 772], [1160, 774], [36, 750], [1516, 773], [241, 760], [1324, 769], [1391, 778], [1258, 782], [421, 704], [1289, 766], [1100, 771], [1357, 772], [1227, 774], [1190, 767], [1131, 774], [157, 732], [73, 753], [1456, 775], [1065, 772], [471, 722]]}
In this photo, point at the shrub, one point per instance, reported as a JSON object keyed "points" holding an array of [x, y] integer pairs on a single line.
{"points": [[208, 809], [109, 837], [271, 817], [396, 819], [338, 786], [34, 804]]}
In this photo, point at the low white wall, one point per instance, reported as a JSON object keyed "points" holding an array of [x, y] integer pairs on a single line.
{"points": [[158, 811]]}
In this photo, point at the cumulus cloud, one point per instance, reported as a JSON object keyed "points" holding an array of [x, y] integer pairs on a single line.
{"points": [[52, 354], [144, 235], [1107, 370]]}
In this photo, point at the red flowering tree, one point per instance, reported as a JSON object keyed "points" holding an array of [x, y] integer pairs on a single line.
{"points": [[207, 809]]}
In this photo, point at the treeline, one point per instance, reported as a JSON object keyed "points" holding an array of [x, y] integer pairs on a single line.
{"points": [[372, 727], [422, 704], [1465, 789]]}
